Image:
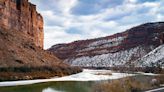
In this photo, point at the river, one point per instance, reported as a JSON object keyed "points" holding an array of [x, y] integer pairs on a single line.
{"points": [[81, 82]]}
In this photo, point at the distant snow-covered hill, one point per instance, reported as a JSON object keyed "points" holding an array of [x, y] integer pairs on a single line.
{"points": [[121, 49]]}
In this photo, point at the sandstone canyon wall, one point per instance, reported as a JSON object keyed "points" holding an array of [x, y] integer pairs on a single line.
{"points": [[22, 16], [21, 45]]}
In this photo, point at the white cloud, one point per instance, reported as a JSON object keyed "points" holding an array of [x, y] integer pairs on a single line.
{"points": [[56, 35], [58, 19], [66, 6]]}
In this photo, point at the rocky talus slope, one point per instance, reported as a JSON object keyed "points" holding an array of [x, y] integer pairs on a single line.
{"points": [[20, 58]]}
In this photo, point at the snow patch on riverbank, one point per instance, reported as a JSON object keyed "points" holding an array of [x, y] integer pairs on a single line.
{"points": [[94, 75], [149, 74], [86, 75]]}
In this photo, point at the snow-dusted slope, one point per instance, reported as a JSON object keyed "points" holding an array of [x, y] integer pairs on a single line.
{"points": [[154, 58], [110, 59], [120, 49]]}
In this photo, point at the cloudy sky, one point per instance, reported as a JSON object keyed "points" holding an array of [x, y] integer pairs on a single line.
{"points": [[69, 20]]}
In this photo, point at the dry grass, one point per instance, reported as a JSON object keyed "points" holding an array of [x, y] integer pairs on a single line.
{"points": [[27, 73], [123, 85], [130, 84], [160, 79]]}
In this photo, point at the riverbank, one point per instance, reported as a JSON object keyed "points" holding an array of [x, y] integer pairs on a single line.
{"points": [[86, 75], [31, 73], [138, 83]]}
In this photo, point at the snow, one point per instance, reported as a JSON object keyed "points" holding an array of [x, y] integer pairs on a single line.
{"points": [[101, 42], [108, 60], [86, 75], [91, 75], [149, 74], [105, 43], [154, 57]]}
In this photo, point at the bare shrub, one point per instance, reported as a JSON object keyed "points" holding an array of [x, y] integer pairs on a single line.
{"points": [[123, 85], [160, 78]]}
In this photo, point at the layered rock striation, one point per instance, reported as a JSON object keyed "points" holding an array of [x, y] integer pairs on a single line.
{"points": [[116, 50]]}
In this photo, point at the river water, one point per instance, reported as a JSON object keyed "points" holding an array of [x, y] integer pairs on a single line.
{"points": [[82, 82], [52, 87]]}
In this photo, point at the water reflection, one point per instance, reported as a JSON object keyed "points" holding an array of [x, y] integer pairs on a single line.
{"points": [[51, 90], [52, 87]]}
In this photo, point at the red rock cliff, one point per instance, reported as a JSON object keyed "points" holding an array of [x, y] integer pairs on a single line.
{"points": [[22, 16], [115, 50]]}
